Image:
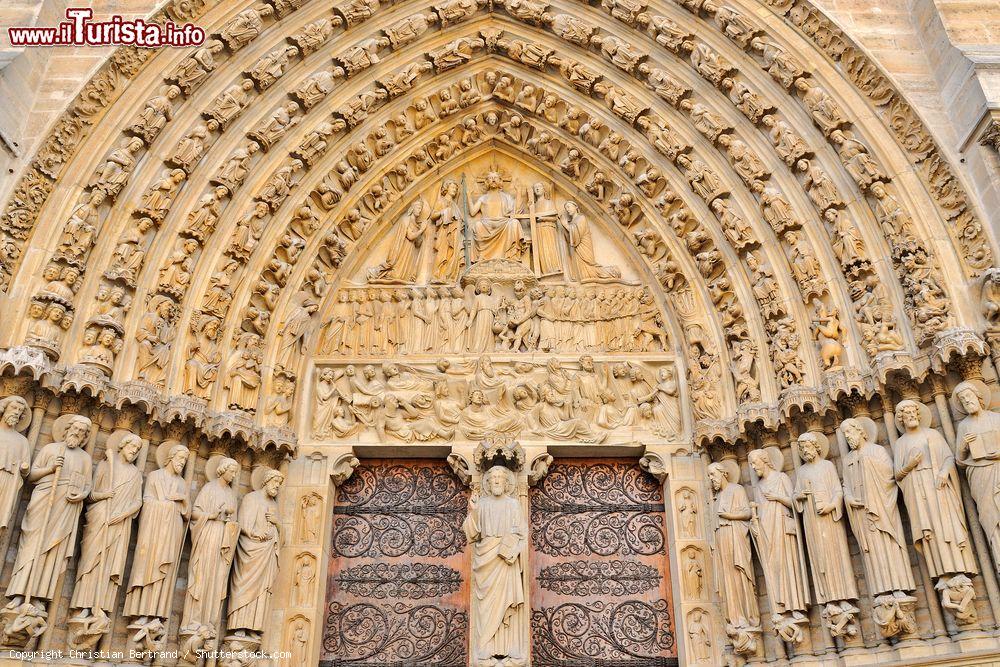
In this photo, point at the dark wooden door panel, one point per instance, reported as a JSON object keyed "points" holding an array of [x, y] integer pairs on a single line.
{"points": [[601, 587], [397, 590]]}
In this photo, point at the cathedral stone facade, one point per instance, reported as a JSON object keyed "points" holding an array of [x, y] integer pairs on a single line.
{"points": [[505, 333]]}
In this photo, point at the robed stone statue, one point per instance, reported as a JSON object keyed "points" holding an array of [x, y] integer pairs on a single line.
{"points": [[925, 469], [733, 560], [61, 474], [977, 442], [819, 498], [870, 493], [15, 455], [214, 533], [495, 227], [779, 544], [256, 565], [114, 500], [165, 506], [497, 529]]}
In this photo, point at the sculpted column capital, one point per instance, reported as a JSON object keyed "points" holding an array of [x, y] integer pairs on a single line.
{"points": [[343, 467]]}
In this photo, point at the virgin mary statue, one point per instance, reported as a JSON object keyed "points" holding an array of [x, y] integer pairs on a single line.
{"points": [[496, 527]]}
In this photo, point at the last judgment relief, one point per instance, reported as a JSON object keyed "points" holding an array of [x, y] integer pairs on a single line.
{"points": [[496, 318]]}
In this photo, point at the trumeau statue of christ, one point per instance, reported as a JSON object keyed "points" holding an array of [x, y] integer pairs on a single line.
{"points": [[496, 231], [497, 529]]}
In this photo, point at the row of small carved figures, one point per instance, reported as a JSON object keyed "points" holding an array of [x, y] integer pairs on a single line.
{"points": [[553, 317]]}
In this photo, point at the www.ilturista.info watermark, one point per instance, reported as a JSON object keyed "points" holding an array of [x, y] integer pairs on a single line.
{"points": [[79, 30]]}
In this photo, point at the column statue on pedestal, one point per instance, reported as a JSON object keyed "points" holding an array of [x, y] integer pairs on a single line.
{"points": [[977, 444], [61, 473], [870, 493], [256, 565], [214, 533], [115, 499], [497, 529], [820, 499], [162, 527], [15, 455], [775, 530], [734, 565], [925, 469]]}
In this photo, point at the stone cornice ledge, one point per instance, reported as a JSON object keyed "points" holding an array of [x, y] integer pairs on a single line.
{"points": [[85, 380]]}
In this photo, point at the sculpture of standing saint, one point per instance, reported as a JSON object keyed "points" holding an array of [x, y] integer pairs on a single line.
{"points": [[497, 529], [447, 220], [495, 229], [820, 499], [732, 547], [214, 533], [977, 442], [402, 263], [256, 565], [115, 499], [15, 455], [165, 504], [870, 495], [61, 473], [547, 240], [775, 529], [925, 469]]}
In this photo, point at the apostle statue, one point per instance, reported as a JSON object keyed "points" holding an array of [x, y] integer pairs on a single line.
{"points": [[495, 229], [819, 497], [114, 501], [732, 547], [925, 469], [61, 473], [775, 529], [870, 495], [402, 263], [977, 442], [165, 505], [583, 258], [256, 564], [15, 455], [214, 532], [497, 529]]}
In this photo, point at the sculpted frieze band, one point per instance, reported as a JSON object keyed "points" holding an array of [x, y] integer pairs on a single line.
{"points": [[559, 399]]}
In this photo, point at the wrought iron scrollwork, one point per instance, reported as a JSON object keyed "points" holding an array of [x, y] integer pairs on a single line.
{"points": [[398, 510], [413, 581], [606, 578], [601, 634], [607, 509], [369, 635]]}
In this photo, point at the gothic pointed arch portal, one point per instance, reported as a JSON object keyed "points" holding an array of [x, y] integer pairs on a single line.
{"points": [[635, 238]]}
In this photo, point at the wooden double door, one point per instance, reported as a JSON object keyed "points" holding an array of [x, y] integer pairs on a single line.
{"points": [[398, 584]]}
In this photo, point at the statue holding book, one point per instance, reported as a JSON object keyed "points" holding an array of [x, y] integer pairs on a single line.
{"points": [[977, 442], [497, 529]]}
